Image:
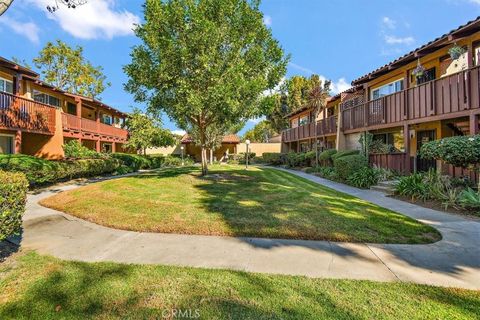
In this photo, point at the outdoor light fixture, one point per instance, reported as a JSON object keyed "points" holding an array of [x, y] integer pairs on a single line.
{"points": [[182, 156], [247, 144], [4, 4]]}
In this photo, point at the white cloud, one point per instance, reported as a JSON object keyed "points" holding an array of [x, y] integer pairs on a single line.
{"points": [[300, 68], [340, 86], [179, 132], [389, 22], [93, 20], [27, 29], [399, 40], [267, 20], [475, 1]]}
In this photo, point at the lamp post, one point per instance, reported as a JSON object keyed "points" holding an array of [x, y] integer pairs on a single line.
{"points": [[247, 144], [182, 156]]}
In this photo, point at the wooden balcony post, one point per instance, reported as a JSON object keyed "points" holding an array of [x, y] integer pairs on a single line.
{"points": [[97, 145], [18, 142], [78, 102], [114, 149], [474, 124], [406, 141]]}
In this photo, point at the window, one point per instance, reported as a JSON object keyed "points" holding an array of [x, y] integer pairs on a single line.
{"points": [[427, 76], [45, 98], [387, 89], [294, 123], [107, 148], [107, 119], [6, 144], [303, 120], [6, 85], [71, 108]]}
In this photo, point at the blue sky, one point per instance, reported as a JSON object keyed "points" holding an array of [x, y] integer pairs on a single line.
{"points": [[340, 40]]}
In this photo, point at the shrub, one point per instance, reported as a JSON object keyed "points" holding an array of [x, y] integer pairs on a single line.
{"points": [[133, 161], [412, 186], [310, 157], [348, 164], [326, 157], [344, 153], [242, 156], [13, 197], [378, 147], [40, 171], [74, 149], [364, 178], [272, 158], [156, 161], [327, 173], [470, 199], [461, 151]]}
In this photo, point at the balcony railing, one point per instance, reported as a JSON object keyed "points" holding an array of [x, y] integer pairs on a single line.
{"points": [[324, 127], [448, 95], [18, 113], [74, 123]]}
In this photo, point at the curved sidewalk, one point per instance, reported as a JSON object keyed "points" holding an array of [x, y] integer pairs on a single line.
{"points": [[453, 261]]}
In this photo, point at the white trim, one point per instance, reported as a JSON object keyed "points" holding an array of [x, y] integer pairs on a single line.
{"points": [[9, 81]]}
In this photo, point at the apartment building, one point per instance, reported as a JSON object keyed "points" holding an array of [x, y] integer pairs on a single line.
{"points": [[429, 93], [37, 118]]}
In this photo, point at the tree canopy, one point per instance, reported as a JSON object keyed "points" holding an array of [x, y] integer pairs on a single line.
{"points": [[262, 132], [66, 68], [146, 132], [205, 63]]}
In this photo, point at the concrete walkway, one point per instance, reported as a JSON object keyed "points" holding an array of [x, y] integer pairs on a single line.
{"points": [[453, 261]]}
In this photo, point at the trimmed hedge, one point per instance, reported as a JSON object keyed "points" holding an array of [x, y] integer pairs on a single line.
{"points": [[272, 158], [344, 153], [346, 166], [13, 197], [134, 161], [40, 171], [326, 157]]}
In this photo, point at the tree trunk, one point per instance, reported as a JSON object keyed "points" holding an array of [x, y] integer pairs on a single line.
{"points": [[211, 156], [144, 151], [204, 161]]}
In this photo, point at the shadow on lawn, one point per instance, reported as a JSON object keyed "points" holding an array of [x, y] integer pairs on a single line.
{"points": [[240, 197]]}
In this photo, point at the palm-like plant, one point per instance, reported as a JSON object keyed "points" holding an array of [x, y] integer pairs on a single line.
{"points": [[317, 100]]}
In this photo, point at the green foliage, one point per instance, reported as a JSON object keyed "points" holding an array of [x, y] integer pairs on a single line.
{"points": [[378, 147], [412, 186], [205, 71], [40, 171], [470, 200], [344, 153], [146, 132], [242, 157], [364, 178], [74, 149], [133, 161], [272, 158], [365, 141], [262, 132], [326, 157], [461, 151], [325, 172], [66, 68], [346, 165], [13, 197]]}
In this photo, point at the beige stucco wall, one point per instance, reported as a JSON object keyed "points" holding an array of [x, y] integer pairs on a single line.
{"points": [[260, 148], [165, 151]]}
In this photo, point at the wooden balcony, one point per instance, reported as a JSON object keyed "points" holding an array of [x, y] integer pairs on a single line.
{"points": [[448, 97], [80, 127], [17, 113], [325, 127]]}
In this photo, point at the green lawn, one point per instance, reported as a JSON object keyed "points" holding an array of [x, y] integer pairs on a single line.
{"points": [[260, 202], [41, 287]]}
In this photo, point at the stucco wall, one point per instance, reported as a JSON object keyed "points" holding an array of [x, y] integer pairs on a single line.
{"points": [[260, 148]]}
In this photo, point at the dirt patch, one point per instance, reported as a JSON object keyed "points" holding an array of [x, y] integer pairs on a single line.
{"points": [[436, 205]]}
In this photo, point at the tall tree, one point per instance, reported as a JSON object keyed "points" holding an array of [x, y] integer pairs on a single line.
{"points": [[205, 63], [66, 68], [146, 132], [262, 132]]}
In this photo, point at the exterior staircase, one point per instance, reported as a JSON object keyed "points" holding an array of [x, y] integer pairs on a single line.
{"points": [[387, 187]]}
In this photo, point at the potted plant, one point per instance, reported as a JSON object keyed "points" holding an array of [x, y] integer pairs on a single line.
{"points": [[419, 70], [456, 51]]}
